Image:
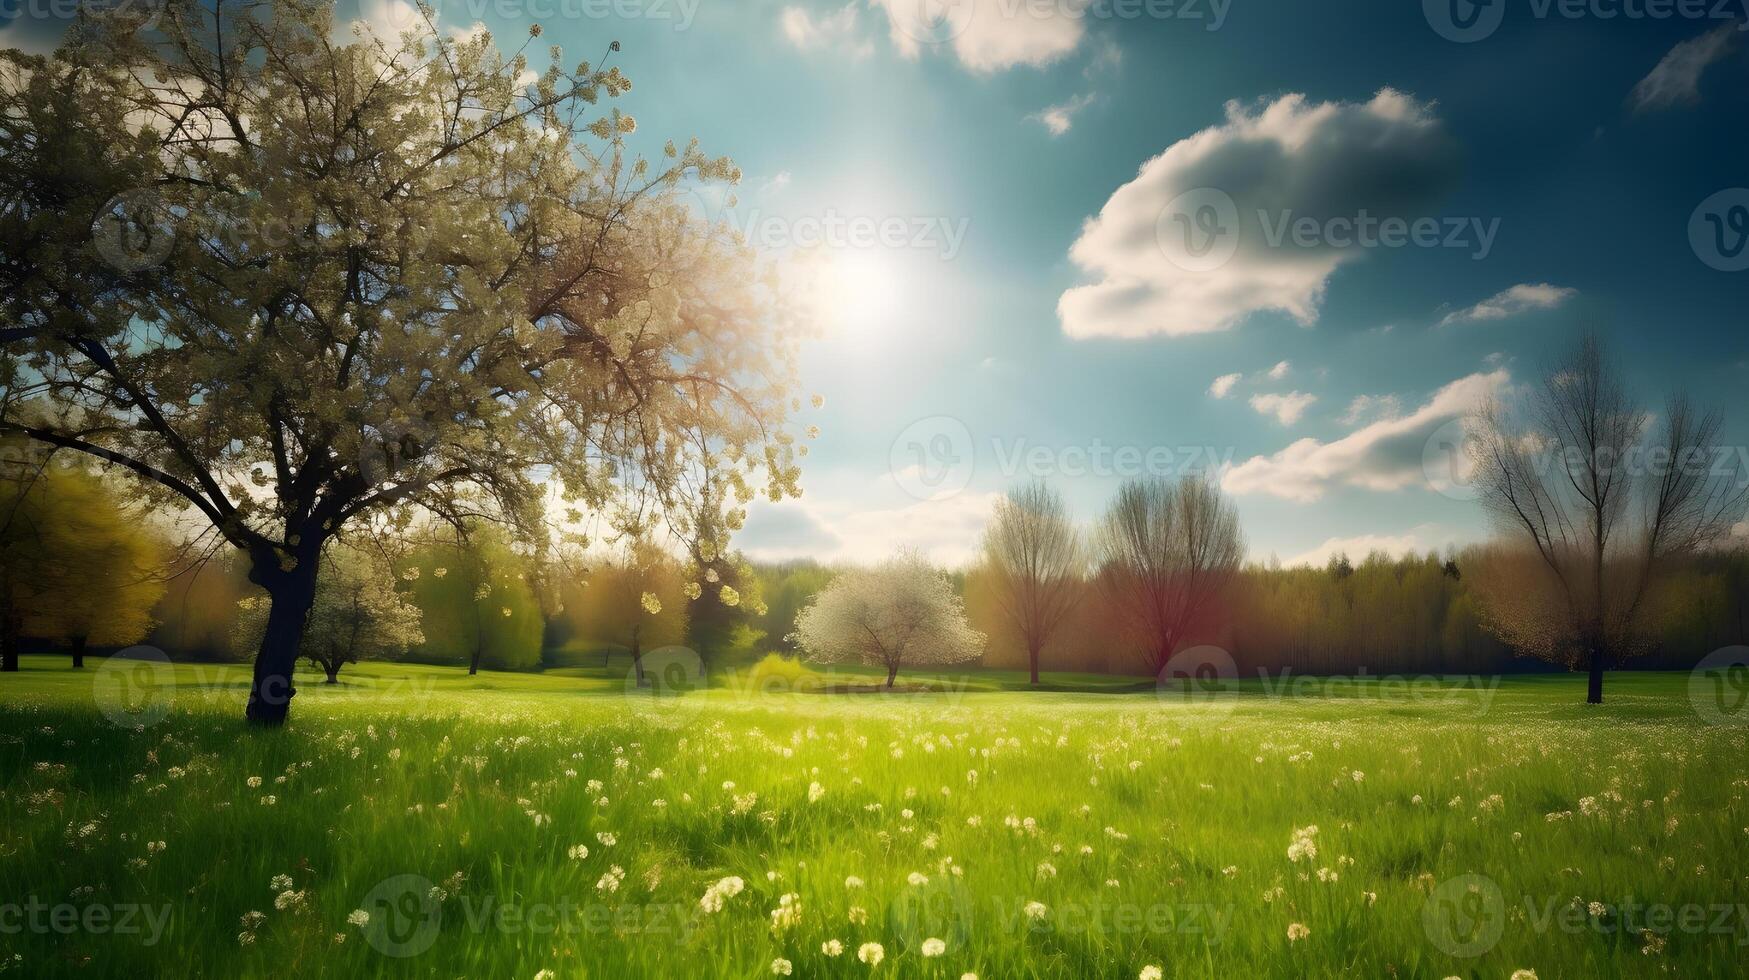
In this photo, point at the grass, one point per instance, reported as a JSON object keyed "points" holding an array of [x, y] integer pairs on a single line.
{"points": [[1460, 832]]}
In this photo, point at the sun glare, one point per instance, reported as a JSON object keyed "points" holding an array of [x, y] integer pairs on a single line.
{"points": [[861, 292]]}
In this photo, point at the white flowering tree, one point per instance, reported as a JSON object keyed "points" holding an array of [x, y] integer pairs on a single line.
{"points": [[903, 612], [327, 282], [357, 613]]}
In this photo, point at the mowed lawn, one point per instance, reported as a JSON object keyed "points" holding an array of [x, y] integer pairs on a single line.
{"points": [[416, 821]]}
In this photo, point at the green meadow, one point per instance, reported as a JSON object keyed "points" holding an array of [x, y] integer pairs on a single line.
{"points": [[416, 821]]}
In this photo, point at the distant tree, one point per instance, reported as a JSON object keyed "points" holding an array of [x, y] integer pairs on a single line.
{"points": [[1168, 551], [476, 602], [903, 612], [788, 588], [358, 612], [1033, 553], [1594, 510], [329, 281], [197, 615], [635, 599], [75, 565]]}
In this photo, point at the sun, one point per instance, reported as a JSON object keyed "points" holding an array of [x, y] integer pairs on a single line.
{"points": [[861, 292]]}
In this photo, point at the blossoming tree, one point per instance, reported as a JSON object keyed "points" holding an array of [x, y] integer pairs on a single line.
{"points": [[357, 613], [903, 612], [328, 283]]}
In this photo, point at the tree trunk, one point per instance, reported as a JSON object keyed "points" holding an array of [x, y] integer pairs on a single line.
{"points": [[9, 630], [892, 672], [332, 669], [479, 642], [290, 594], [638, 663], [1032, 656], [1594, 689], [78, 652]]}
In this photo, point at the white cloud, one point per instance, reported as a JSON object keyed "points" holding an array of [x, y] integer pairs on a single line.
{"points": [[838, 32], [1387, 455], [387, 20], [1223, 385], [1366, 408], [776, 184], [1676, 78], [1291, 158], [1287, 409], [1280, 370], [1059, 118], [1420, 539], [948, 530], [1512, 301], [986, 35]]}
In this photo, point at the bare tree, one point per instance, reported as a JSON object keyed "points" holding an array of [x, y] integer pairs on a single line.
{"points": [[1167, 551], [1597, 507], [1035, 558]]}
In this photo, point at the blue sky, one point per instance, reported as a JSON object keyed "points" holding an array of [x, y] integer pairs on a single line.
{"points": [[1038, 157]]}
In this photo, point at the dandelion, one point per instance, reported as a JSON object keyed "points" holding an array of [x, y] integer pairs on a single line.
{"points": [[858, 915], [852, 882], [358, 917], [254, 782], [1047, 870], [788, 912], [832, 947], [781, 967], [1036, 910], [917, 879], [607, 839], [815, 791], [715, 895], [873, 953], [1150, 972], [1297, 932], [544, 975], [1303, 847], [610, 882], [934, 947], [579, 851], [1523, 975]]}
